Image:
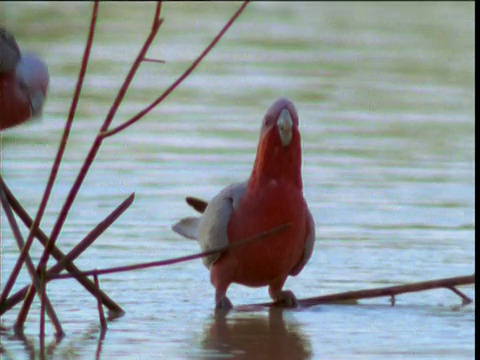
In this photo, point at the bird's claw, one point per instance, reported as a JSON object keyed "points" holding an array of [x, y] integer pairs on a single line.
{"points": [[286, 299], [224, 304]]}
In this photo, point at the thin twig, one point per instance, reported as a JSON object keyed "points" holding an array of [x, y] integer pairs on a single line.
{"points": [[172, 87], [30, 266], [98, 351], [98, 141], [41, 335], [91, 155], [101, 314], [18, 265], [60, 152], [65, 260], [175, 260], [158, 61], [381, 292], [56, 164], [156, 17], [465, 299], [94, 234]]}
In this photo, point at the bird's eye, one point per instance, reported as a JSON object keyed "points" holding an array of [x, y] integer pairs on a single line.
{"points": [[23, 87], [268, 120]]}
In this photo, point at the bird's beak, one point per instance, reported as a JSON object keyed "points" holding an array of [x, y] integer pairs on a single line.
{"points": [[33, 78], [284, 125], [36, 102]]}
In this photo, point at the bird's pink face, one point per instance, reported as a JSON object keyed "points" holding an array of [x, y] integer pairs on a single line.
{"points": [[279, 151], [280, 123]]}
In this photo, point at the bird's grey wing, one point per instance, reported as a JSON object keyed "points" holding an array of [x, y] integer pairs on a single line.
{"points": [[212, 231], [309, 243], [187, 227]]}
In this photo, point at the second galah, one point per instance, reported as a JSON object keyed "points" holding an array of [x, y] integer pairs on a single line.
{"points": [[23, 83]]}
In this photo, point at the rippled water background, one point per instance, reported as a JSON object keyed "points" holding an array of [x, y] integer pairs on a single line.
{"points": [[385, 94]]}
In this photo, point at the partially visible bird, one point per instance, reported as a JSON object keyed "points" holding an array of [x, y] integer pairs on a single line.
{"points": [[271, 197], [9, 51], [24, 83]]}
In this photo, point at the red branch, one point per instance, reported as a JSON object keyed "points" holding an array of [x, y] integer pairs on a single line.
{"points": [[58, 158], [172, 87]]}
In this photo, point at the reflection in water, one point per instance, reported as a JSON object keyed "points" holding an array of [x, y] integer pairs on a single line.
{"points": [[29, 346], [256, 337], [74, 347]]}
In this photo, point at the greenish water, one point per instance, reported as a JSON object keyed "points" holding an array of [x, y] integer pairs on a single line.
{"points": [[385, 95]]}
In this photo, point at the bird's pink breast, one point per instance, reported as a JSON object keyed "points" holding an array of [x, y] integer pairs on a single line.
{"points": [[273, 257], [14, 108]]}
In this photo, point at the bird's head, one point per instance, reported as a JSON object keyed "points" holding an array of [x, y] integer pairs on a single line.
{"points": [[279, 152], [32, 76], [280, 123]]}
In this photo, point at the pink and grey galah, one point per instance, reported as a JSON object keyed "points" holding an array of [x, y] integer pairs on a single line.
{"points": [[271, 197], [23, 83]]}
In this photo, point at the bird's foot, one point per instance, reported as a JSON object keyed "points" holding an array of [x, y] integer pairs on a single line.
{"points": [[224, 304], [286, 299]]}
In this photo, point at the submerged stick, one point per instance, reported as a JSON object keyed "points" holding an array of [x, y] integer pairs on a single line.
{"points": [[66, 261], [57, 227], [465, 299], [30, 267], [60, 152], [174, 260], [101, 314], [391, 291], [448, 283], [5, 305], [41, 335], [34, 225], [56, 164], [91, 155]]}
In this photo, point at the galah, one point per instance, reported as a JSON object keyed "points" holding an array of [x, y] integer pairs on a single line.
{"points": [[23, 83], [9, 51], [271, 197]]}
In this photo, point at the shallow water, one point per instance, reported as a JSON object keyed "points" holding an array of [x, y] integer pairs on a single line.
{"points": [[385, 97]]}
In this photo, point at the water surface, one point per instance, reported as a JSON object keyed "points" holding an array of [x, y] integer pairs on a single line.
{"points": [[385, 97]]}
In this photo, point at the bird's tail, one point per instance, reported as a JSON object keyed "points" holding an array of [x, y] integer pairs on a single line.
{"points": [[187, 227]]}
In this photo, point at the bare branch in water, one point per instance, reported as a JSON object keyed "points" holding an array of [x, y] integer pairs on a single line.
{"points": [[30, 266], [56, 164], [391, 291], [65, 261], [465, 299], [98, 141], [101, 314], [175, 260]]}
